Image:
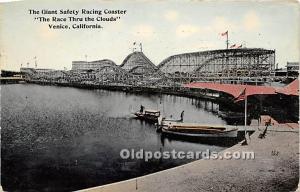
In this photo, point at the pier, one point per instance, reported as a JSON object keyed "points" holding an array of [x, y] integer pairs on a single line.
{"points": [[11, 80]]}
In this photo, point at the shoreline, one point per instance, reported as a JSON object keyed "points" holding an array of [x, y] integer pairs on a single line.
{"points": [[177, 91], [227, 101], [266, 172]]}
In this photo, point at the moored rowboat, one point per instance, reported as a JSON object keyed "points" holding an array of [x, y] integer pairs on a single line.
{"points": [[198, 130], [148, 115]]}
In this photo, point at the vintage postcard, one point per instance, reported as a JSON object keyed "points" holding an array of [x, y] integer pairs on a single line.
{"points": [[149, 95]]}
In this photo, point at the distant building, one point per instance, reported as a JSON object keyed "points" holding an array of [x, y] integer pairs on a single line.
{"points": [[27, 70], [91, 65], [292, 68], [5, 73], [280, 72], [34, 70]]}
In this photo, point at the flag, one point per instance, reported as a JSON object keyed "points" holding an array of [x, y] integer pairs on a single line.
{"points": [[232, 46], [225, 33], [240, 46], [242, 96]]}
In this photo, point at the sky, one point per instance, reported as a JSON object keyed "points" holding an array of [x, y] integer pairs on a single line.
{"points": [[164, 27]]}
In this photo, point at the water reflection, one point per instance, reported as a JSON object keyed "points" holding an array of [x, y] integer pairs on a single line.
{"points": [[62, 139]]}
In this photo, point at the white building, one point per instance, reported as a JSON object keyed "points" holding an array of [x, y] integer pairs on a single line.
{"points": [[91, 65]]}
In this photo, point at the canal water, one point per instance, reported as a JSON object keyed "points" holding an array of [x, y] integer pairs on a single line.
{"points": [[64, 139]]}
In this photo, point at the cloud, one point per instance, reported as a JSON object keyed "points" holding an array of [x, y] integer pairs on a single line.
{"points": [[187, 30], [171, 15], [251, 21], [143, 31]]}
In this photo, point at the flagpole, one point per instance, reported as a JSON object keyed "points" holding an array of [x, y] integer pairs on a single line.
{"points": [[227, 40], [245, 110], [245, 116]]}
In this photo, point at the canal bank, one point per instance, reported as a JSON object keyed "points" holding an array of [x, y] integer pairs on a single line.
{"points": [[176, 90], [280, 103], [275, 168]]}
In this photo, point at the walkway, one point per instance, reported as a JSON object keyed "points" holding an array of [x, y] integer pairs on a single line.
{"points": [[275, 168]]}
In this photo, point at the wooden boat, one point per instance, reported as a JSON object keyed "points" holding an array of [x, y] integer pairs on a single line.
{"points": [[197, 130], [148, 115]]}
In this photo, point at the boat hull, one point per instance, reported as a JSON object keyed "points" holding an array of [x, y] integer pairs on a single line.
{"points": [[224, 134]]}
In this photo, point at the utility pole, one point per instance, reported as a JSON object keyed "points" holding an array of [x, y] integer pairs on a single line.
{"points": [[3, 60], [0, 62], [35, 62], [85, 57], [133, 48], [141, 47]]}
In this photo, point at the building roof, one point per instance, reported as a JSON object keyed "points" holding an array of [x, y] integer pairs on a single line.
{"points": [[236, 90], [291, 64], [290, 89], [233, 89], [96, 62]]}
